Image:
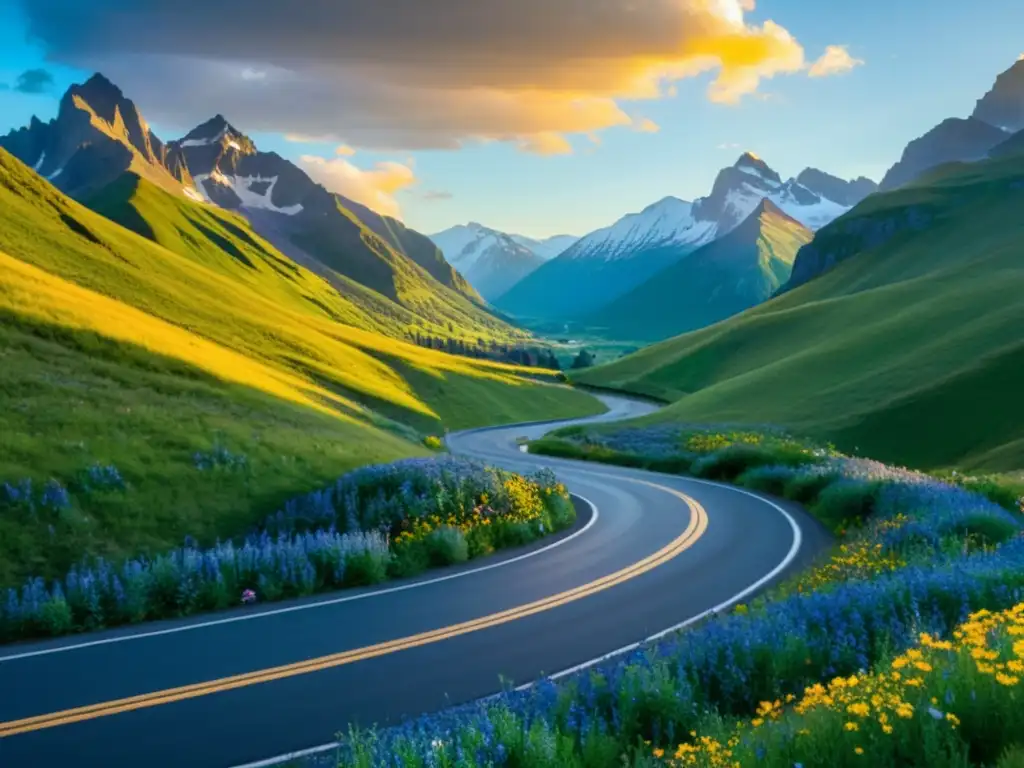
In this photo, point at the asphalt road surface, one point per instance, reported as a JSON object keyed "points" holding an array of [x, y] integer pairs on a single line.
{"points": [[649, 552]]}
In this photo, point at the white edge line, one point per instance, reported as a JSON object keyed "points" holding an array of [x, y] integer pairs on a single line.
{"points": [[319, 604], [786, 561], [794, 550]]}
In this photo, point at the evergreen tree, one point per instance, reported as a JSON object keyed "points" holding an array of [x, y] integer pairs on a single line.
{"points": [[583, 360]]}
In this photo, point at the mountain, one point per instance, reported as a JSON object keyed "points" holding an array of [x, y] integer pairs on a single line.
{"points": [[997, 115], [829, 187], [1012, 146], [908, 349], [490, 260], [232, 173], [605, 264], [548, 247], [610, 262], [735, 272], [1003, 105], [97, 135], [100, 139], [954, 139]]}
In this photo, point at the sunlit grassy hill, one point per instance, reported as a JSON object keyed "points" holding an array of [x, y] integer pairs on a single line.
{"points": [[115, 349], [207, 234], [905, 342]]}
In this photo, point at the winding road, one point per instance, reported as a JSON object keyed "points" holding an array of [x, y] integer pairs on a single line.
{"points": [[649, 553]]}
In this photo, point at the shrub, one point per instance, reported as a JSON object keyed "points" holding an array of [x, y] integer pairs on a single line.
{"points": [[988, 530], [366, 568], [845, 502], [433, 442], [770, 478], [804, 487], [446, 546], [732, 461]]}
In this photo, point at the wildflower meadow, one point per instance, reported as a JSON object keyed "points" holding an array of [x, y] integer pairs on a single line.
{"points": [[377, 522], [903, 647]]}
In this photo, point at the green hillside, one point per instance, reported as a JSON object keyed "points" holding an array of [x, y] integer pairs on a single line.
{"points": [[116, 350], [908, 349], [724, 277], [206, 233], [1012, 146]]}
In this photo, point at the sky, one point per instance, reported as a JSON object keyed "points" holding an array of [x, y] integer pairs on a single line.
{"points": [[537, 117]]}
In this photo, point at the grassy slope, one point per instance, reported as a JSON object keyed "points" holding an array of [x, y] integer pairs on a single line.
{"points": [[910, 351], [205, 233], [114, 349], [719, 280]]}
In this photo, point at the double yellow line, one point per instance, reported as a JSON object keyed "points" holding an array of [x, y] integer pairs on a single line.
{"points": [[694, 530]]}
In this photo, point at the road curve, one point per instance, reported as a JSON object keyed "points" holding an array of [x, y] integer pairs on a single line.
{"points": [[235, 688]]}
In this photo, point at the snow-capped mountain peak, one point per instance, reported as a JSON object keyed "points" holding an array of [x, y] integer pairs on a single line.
{"points": [[668, 222], [813, 199], [492, 261]]}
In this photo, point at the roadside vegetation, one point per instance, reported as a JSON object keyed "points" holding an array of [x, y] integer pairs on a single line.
{"points": [[901, 646], [378, 522]]}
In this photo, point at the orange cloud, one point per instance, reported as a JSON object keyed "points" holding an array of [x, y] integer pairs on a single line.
{"points": [[834, 61], [374, 188], [529, 72]]}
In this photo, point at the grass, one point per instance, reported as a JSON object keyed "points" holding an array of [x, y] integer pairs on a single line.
{"points": [[209, 235], [115, 350], [908, 351]]}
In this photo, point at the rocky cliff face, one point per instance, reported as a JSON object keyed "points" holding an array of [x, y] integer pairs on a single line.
{"points": [[850, 236], [1003, 105], [952, 140], [98, 134]]}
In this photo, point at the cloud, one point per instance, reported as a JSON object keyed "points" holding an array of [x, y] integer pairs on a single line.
{"points": [[394, 74], [545, 143], [436, 195], [34, 81], [834, 61], [344, 150], [730, 145], [645, 125], [374, 188]]}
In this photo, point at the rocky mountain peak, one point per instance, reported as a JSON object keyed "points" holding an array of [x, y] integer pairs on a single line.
{"points": [[748, 161], [1003, 105], [826, 185], [102, 96], [217, 130]]}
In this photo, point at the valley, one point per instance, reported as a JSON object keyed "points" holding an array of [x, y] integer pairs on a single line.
{"points": [[734, 477]]}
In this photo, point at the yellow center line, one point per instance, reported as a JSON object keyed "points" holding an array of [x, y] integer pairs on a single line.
{"points": [[694, 530]]}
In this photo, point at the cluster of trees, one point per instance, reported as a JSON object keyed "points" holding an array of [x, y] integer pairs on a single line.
{"points": [[519, 354], [583, 359]]}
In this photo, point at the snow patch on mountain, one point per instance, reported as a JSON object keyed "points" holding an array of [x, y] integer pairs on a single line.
{"points": [[206, 140], [241, 186], [490, 260], [668, 222]]}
